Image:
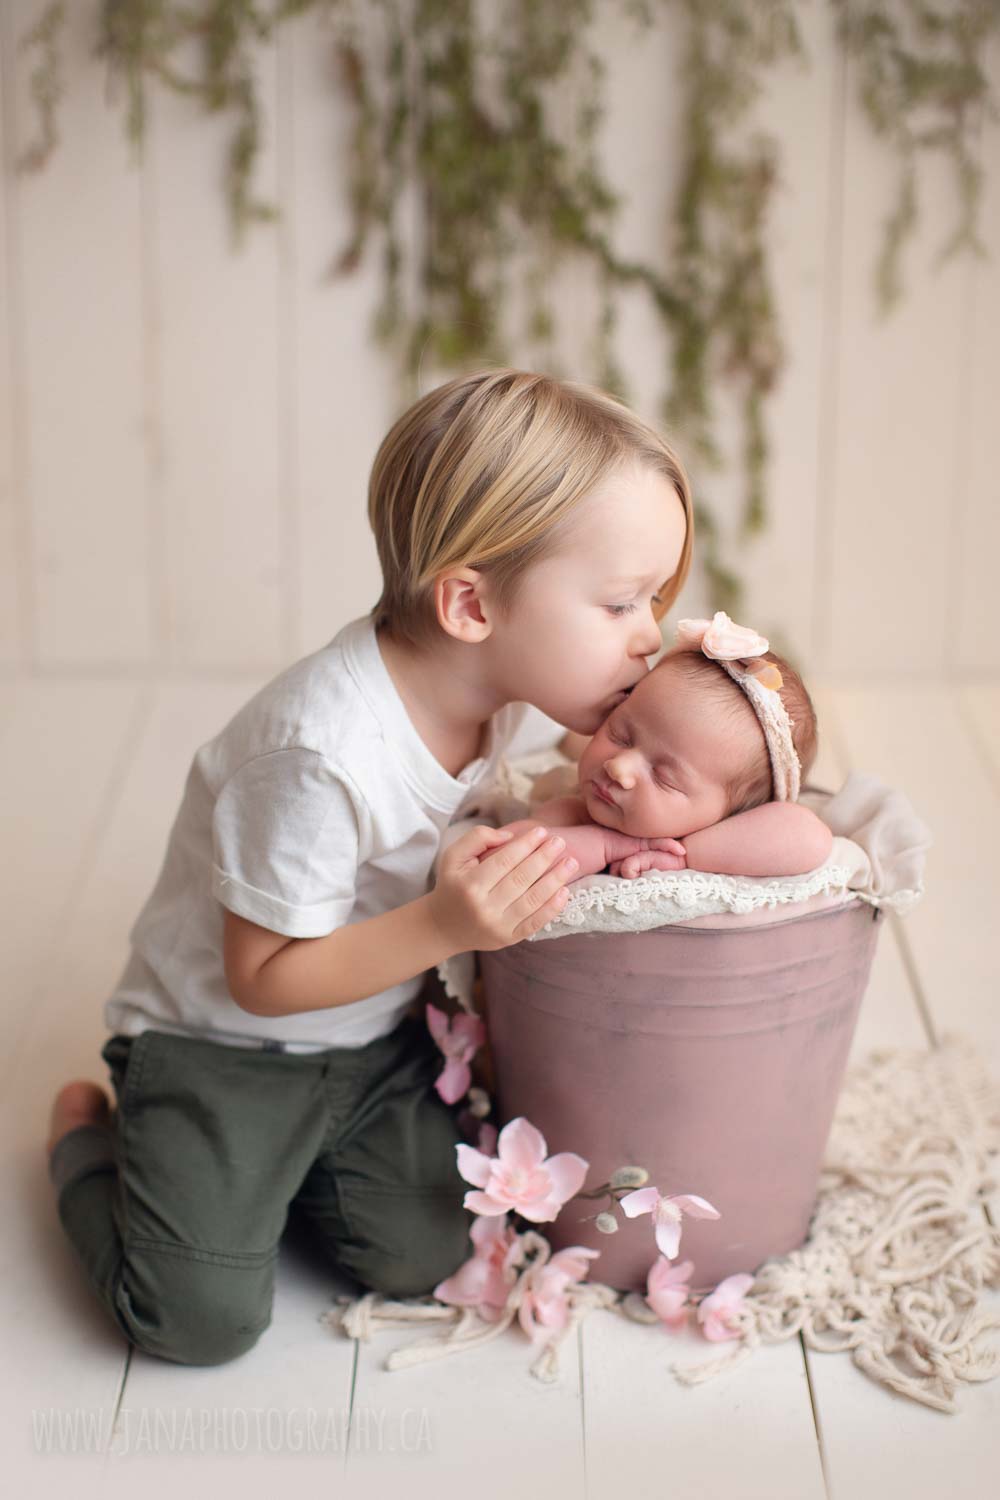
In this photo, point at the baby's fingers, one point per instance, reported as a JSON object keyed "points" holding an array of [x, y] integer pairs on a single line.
{"points": [[668, 846]]}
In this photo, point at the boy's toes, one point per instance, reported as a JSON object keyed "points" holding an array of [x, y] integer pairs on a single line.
{"points": [[78, 1103]]}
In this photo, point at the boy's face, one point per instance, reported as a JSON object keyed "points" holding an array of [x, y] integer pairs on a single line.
{"points": [[583, 625], [663, 758]]}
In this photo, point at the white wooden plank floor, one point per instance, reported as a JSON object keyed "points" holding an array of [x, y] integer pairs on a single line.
{"points": [[93, 770]]}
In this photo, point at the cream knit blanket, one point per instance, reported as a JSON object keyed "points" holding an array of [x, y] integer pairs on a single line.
{"points": [[899, 1252]]}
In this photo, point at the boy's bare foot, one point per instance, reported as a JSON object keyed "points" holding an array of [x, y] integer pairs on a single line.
{"points": [[78, 1103]]}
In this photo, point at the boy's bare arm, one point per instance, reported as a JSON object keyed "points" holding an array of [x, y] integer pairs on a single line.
{"points": [[778, 838], [469, 907], [346, 965]]}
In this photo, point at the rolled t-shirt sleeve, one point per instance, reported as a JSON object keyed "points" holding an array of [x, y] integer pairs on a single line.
{"points": [[288, 835]]}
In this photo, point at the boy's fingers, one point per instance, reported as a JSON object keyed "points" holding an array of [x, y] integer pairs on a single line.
{"points": [[547, 898], [518, 849], [477, 840]]}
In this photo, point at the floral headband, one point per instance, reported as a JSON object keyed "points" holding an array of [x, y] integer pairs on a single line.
{"points": [[738, 651]]}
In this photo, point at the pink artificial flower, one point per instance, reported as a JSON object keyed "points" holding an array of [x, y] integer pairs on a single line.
{"points": [[520, 1176], [720, 638], [458, 1038], [484, 1281], [667, 1288], [545, 1299], [666, 1213], [715, 1311]]}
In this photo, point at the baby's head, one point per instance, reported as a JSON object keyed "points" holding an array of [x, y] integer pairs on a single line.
{"points": [[538, 521], [687, 749]]}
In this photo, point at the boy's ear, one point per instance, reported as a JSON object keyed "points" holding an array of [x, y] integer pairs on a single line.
{"points": [[461, 605]]}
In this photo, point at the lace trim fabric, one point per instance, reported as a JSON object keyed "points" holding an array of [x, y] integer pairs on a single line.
{"points": [[694, 893]]}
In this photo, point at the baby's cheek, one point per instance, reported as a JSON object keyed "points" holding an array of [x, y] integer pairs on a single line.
{"points": [[663, 816], [637, 825]]}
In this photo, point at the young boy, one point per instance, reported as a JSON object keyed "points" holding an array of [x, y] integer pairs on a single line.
{"points": [[264, 1053]]}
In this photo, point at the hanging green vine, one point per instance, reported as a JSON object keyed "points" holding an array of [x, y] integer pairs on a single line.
{"points": [[45, 84], [719, 267], [923, 87], [463, 114]]}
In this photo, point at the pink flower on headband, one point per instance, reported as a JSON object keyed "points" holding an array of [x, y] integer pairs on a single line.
{"points": [[720, 638]]}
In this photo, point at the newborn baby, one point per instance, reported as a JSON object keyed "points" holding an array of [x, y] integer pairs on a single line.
{"points": [[682, 773]]}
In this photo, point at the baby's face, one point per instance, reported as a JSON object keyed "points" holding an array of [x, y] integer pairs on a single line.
{"points": [[663, 758]]}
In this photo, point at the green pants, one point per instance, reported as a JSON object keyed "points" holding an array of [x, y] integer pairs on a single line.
{"points": [[176, 1209]]}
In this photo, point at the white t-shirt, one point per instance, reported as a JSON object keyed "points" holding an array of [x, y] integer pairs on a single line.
{"points": [[317, 805]]}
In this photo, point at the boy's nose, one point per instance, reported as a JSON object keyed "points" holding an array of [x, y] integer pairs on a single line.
{"points": [[648, 638]]}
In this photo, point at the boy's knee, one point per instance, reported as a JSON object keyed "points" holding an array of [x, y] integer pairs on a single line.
{"points": [[437, 1244], [195, 1313]]}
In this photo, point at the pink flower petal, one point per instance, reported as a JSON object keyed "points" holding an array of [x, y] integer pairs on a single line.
{"points": [[538, 1210], [573, 1261], [667, 1290], [727, 641], [567, 1172], [496, 1289], [452, 1083], [715, 1311], [552, 1308], [469, 1030], [487, 1233], [715, 1329], [464, 1287], [473, 1165], [691, 633], [437, 1023], [668, 1237], [520, 1145], [482, 1203], [730, 1292], [669, 1306], [697, 1208], [642, 1201], [663, 1273]]}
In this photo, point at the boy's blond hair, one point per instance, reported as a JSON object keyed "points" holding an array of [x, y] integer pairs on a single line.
{"points": [[486, 472]]}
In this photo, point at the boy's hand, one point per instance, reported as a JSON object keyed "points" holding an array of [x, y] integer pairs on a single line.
{"points": [[493, 902]]}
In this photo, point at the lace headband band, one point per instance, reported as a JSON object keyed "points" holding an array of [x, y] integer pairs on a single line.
{"points": [[739, 651]]}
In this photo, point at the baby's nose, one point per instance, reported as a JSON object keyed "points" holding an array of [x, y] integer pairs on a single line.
{"points": [[618, 770]]}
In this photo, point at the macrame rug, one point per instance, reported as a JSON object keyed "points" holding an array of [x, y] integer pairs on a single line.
{"points": [[899, 1252]]}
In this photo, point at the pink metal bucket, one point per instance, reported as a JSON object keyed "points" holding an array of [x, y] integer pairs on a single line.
{"points": [[711, 1056]]}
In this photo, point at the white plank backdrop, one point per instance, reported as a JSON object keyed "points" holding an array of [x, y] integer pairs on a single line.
{"points": [[186, 431], [185, 440]]}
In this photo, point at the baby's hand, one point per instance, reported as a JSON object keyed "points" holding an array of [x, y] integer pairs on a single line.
{"points": [[668, 846], [649, 859]]}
